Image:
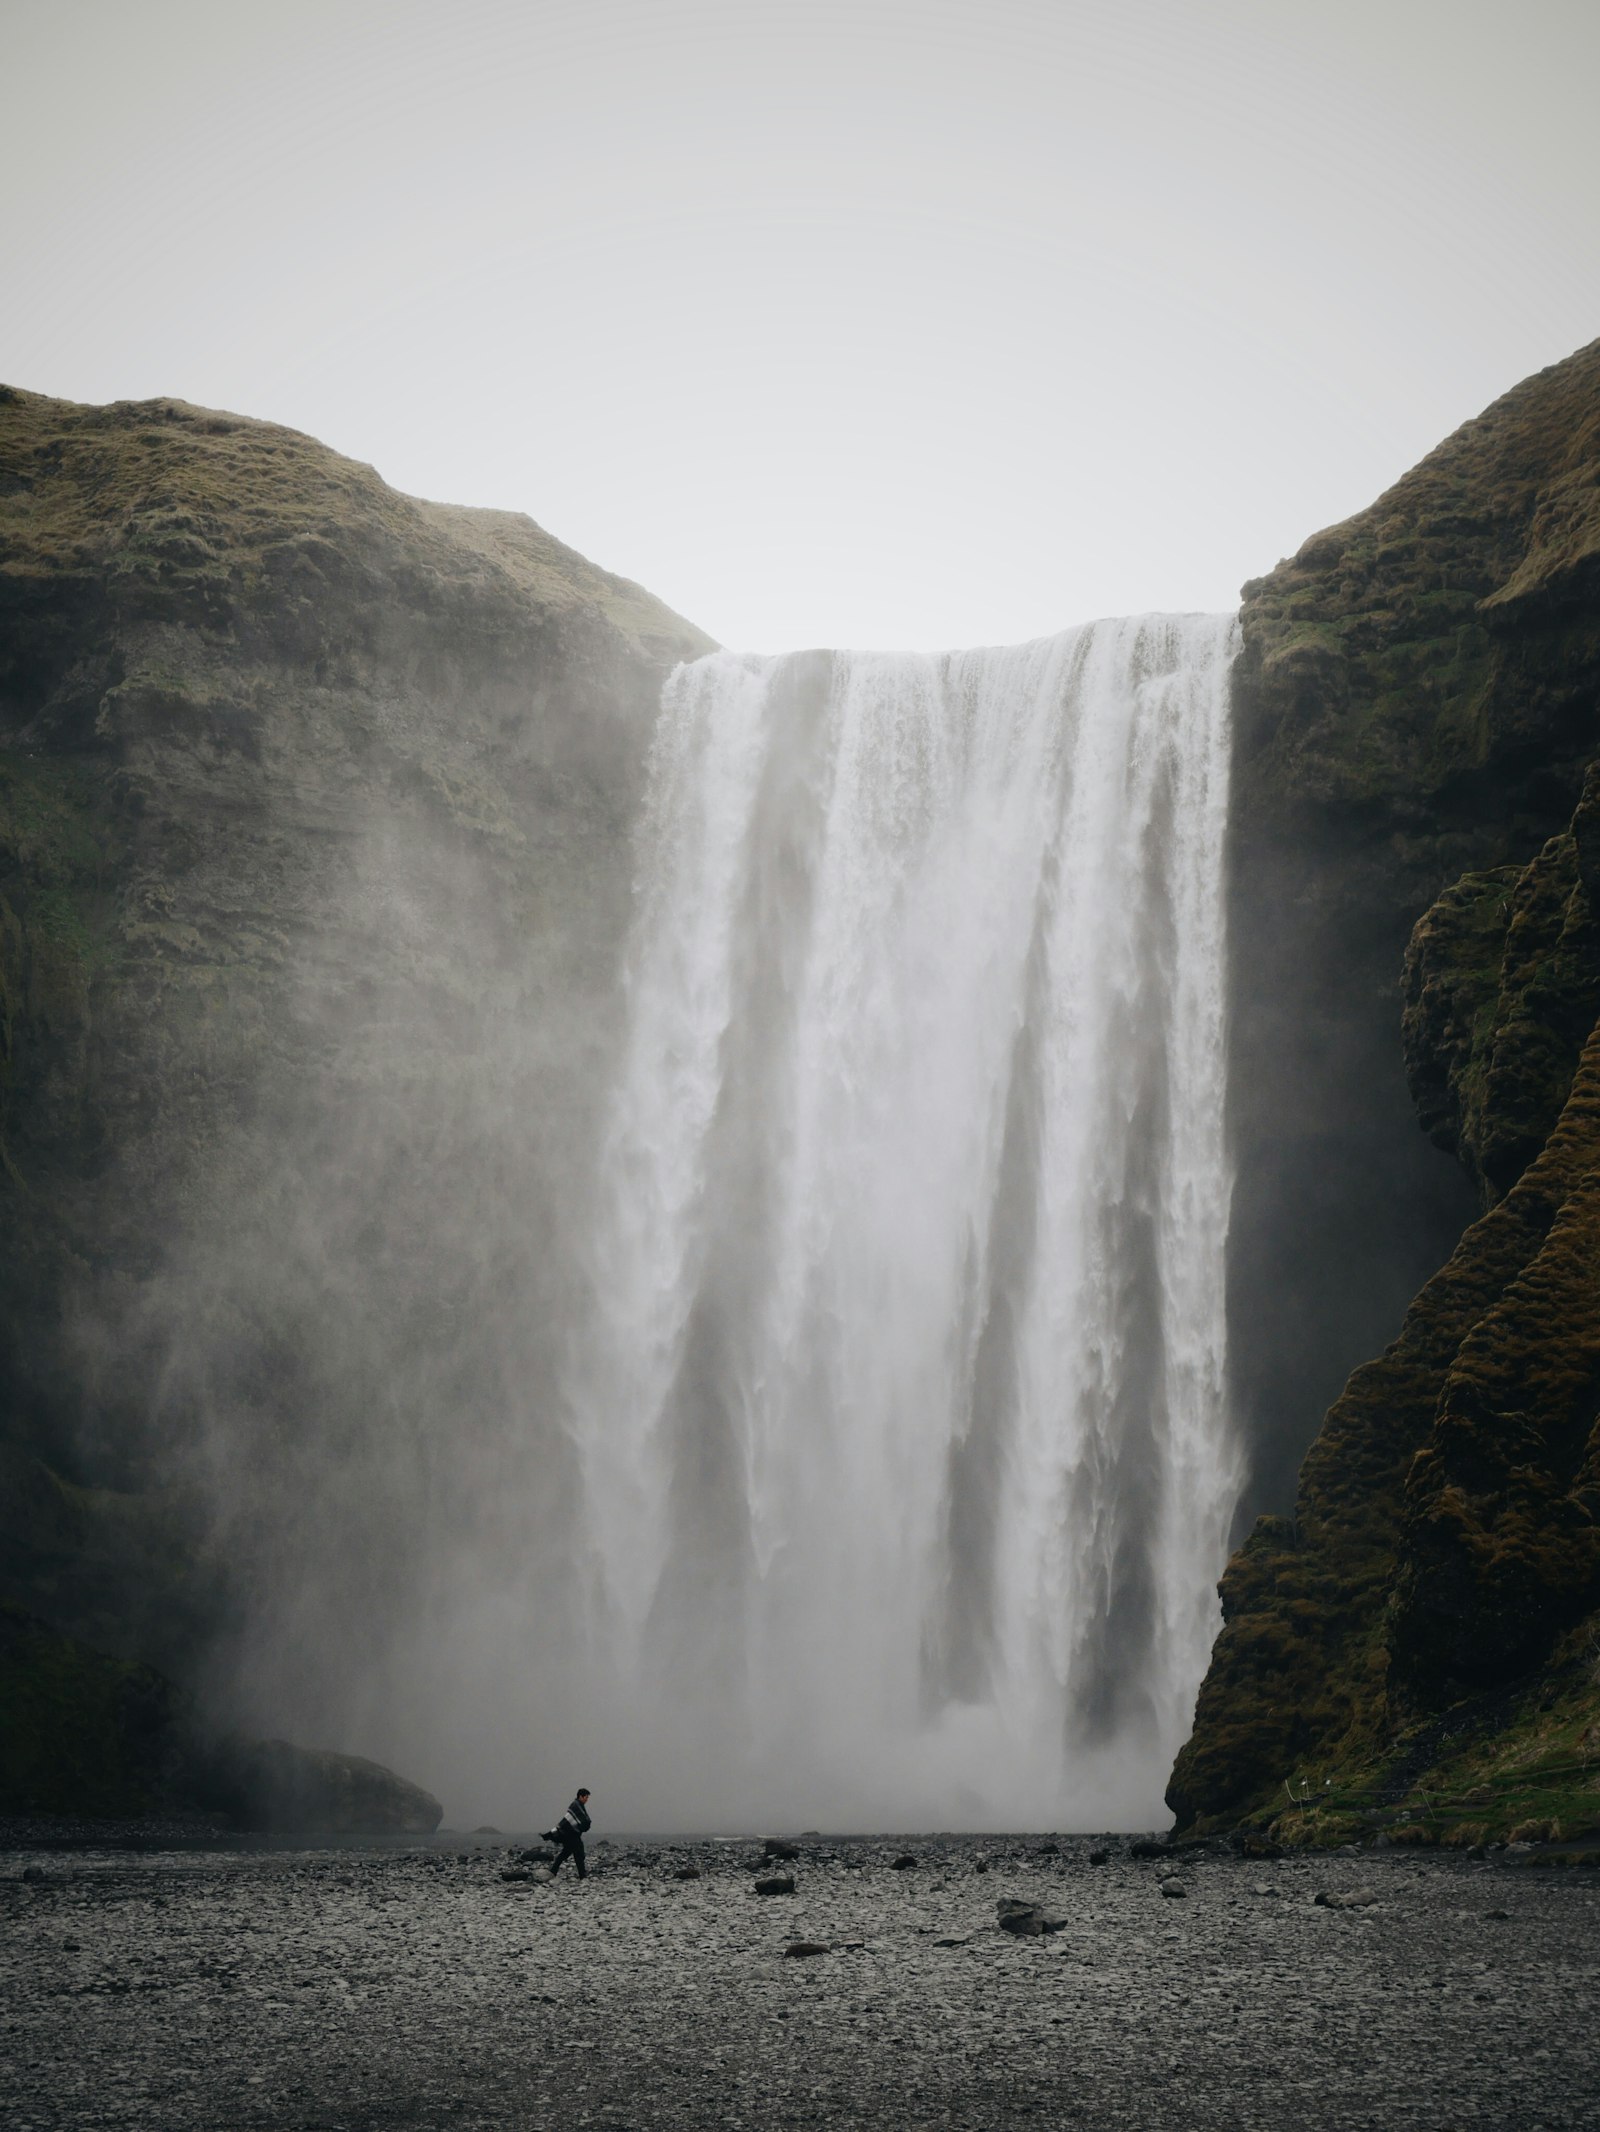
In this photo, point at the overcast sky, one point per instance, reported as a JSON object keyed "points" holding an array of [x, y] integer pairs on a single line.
{"points": [[890, 322]]}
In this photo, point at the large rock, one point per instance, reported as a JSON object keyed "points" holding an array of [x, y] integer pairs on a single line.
{"points": [[275, 1787]]}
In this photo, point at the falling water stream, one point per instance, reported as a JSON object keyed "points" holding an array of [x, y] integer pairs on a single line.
{"points": [[907, 1466]]}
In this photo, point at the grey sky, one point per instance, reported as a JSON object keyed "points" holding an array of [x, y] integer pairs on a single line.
{"points": [[880, 323]]}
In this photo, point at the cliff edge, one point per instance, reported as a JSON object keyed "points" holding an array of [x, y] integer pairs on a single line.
{"points": [[1419, 700]]}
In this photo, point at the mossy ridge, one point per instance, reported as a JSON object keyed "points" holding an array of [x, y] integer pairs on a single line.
{"points": [[1501, 986], [238, 673], [1390, 657], [1447, 1526], [183, 506]]}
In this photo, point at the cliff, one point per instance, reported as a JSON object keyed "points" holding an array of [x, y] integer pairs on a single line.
{"points": [[315, 805], [1419, 699]]}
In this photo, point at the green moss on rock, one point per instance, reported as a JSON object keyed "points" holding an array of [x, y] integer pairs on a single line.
{"points": [[1447, 1526]]}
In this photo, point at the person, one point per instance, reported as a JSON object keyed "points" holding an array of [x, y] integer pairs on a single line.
{"points": [[569, 1833]]}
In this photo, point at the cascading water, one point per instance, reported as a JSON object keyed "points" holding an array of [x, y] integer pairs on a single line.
{"points": [[907, 1466]]}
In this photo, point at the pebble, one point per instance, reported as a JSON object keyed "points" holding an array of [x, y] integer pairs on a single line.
{"points": [[365, 1988]]}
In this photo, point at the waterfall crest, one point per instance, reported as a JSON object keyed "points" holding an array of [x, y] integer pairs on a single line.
{"points": [[901, 1416]]}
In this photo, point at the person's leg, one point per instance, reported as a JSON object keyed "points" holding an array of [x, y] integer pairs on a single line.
{"points": [[577, 1853]]}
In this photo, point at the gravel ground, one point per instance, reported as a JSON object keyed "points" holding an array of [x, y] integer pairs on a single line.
{"points": [[366, 1988]]}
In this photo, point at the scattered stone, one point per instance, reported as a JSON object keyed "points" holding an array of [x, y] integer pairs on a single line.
{"points": [[952, 1939], [903, 1863], [982, 1866], [1262, 1887], [1356, 1899], [776, 1847], [799, 1950], [1173, 1886], [1099, 1856], [687, 1873], [776, 1884], [1148, 1847], [516, 1873], [1025, 1918], [34, 1874], [1252, 1844], [1049, 1850]]}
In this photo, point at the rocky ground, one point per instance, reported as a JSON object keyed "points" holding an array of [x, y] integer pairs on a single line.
{"points": [[357, 1987]]}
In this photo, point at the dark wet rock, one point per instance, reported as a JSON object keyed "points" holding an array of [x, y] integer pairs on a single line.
{"points": [[516, 1873], [904, 1863], [1099, 1856], [779, 1847], [775, 1884], [800, 1950], [1149, 1847], [273, 1785], [1027, 1919], [689, 1872], [1418, 705], [1348, 1899]]}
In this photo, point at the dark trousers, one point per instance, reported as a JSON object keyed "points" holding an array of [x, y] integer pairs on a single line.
{"points": [[571, 1847]]}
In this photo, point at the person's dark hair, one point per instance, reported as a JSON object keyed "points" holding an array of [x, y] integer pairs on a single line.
{"points": [[583, 1791]]}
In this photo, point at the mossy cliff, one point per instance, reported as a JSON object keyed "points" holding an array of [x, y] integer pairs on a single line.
{"points": [[315, 804], [1415, 699], [1427, 1612]]}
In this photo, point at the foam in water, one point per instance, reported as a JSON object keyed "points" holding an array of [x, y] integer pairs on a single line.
{"points": [[902, 1418]]}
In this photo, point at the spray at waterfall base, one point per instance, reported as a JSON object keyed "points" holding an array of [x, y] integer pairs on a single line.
{"points": [[906, 1467]]}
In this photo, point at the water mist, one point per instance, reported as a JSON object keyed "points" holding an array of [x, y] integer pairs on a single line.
{"points": [[900, 1406]]}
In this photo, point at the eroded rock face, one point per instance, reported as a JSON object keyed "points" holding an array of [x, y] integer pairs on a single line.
{"points": [[1447, 1527], [1418, 705], [1417, 697], [315, 806]]}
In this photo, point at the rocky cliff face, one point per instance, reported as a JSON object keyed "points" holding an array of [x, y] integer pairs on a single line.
{"points": [[1415, 699], [1420, 693], [315, 805]]}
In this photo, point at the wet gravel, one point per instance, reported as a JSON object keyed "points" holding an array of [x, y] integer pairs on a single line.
{"points": [[354, 1988]]}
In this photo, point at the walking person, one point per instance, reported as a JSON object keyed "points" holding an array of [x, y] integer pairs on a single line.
{"points": [[569, 1834]]}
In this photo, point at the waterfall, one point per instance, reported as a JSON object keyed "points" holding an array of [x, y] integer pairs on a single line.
{"points": [[901, 1414]]}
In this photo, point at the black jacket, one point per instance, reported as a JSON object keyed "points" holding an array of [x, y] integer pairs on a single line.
{"points": [[576, 1817]]}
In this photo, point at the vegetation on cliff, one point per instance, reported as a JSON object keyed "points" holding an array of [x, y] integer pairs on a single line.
{"points": [[1417, 1644], [314, 808], [1415, 700]]}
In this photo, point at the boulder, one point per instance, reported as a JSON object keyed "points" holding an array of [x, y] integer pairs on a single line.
{"points": [[777, 1847], [800, 1950], [274, 1786], [1027, 1920], [776, 1884]]}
